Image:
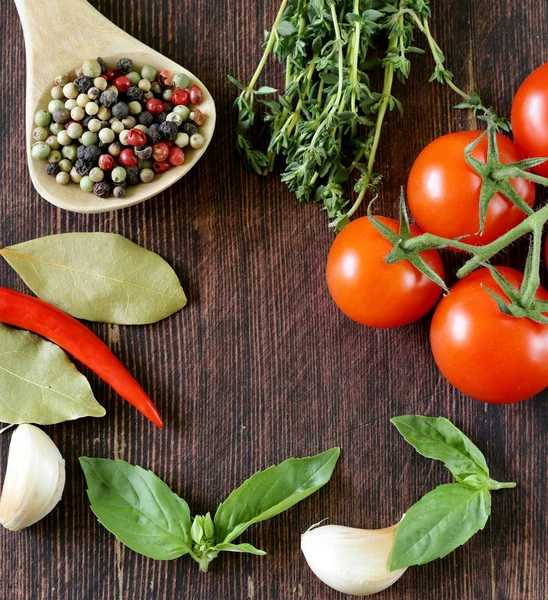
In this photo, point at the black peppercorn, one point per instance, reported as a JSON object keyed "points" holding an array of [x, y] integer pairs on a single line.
{"points": [[134, 93], [80, 151], [145, 118], [143, 152], [92, 153], [153, 134], [160, 118], [61, 115], [83, 167], [132, 175], [120, 110], [190, 129], [108, 98], [83, 84], [169, 130], [156, 88], [168, 107], [52, 169], [102, 63], [102, 189], [124, 66], [119, 191]]}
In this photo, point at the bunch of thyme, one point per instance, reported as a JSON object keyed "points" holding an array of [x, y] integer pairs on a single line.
{"points": [[327, 122]]}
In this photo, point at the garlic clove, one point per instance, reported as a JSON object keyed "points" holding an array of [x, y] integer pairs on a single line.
{"points": [[352, 561], [35, 478]]}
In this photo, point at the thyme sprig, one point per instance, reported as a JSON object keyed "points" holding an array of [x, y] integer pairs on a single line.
{"points": [[327, 122]]}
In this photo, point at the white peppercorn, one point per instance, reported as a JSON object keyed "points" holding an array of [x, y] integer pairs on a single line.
{"points": [[144, 84], [122, 137], [94, 125], [96, 174], [52, 142], [53, 105], [70, 104], [106, 136], [82, 100], [141, 127], [197, 141], [117, 126], [92, 108], [57, 92], [175, 118], [64, 138], [70, 90], [104, 113], [91, 68], [65, 165], [63, 178], [93, 93], [146, 175], [61, 80], [119, 191], [100, 83], [75, 130], [134, 107], [75, 176], [129, 122], [182, 140], [77, 113], [167, 94], [115, 149]]}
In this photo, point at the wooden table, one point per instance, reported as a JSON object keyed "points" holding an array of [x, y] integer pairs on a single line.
{"points": [[261, 365]]}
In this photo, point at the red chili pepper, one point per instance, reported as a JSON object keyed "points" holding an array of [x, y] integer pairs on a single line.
{"points": [[68, 333]]}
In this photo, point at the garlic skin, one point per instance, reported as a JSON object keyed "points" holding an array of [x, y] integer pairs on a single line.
{"points": [[352, 561], [35, 478]]}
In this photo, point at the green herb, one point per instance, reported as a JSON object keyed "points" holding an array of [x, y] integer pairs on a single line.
{"points": [[99, 277], [38, 382], [328, 120], [450, 515], [145, 515]]}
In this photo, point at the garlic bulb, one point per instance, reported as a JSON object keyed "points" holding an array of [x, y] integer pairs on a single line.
{"points": [[352, 561], [35, 478]]}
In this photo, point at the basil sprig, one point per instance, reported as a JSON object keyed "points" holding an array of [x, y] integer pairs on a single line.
{"points": [[145, 515], [451, 514]]}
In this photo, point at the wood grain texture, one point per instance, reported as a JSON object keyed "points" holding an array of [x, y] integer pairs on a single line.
{"points": [[261, 365]]}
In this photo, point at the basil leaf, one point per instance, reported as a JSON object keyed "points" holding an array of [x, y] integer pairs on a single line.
{"points": [[98, 277], [272, 491], [441, 521], [438, 438], [138, 508], [247, 548], [39, 384]]}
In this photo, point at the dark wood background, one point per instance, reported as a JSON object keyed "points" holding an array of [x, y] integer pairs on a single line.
{"points": [[261, 365]]}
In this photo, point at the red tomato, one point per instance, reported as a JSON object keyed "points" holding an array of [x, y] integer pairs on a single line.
{"points": [[443, 190], [530, 116], [483, 352], [369, 290]]}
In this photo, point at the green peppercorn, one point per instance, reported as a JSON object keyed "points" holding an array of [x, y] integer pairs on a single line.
{"points": [[145, 164], [118, 174], [149, 72], [62, 178], [61, 80], [70, 90], [55, 128], [42, 118], [40, 134], [57, 92], [54, 105], [89, 138], [181, 80], [75, 130], [146, 175], [134, 77], [70, 152], [40, 151], [91, 68], [52, 142], [86, 184], [54, 157], [182, 140], [182, 110], [197, 141], [96, 175], [65, 165], [64, 138]]}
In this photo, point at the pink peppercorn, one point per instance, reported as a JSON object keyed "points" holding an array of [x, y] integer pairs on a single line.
{"points": [[195, 94], [176, 156], [165, 78], [136, 137], [128, 158], [160, 167], [122, 84], [106, 162], [110, 75], [155, 106], [160, 151], [180, 97]]}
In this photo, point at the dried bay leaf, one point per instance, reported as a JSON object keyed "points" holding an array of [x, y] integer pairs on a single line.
{"points": [[98, 277], [39, 384]]}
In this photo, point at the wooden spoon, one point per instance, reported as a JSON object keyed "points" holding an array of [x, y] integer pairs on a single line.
{"points": [[59, 36]]}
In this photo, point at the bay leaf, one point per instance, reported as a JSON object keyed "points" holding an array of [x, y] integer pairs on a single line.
{"points": [[97, 276], [39, 384]]}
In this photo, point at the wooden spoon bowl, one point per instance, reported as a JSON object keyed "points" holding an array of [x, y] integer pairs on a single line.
{"points": [[51, 52]]}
